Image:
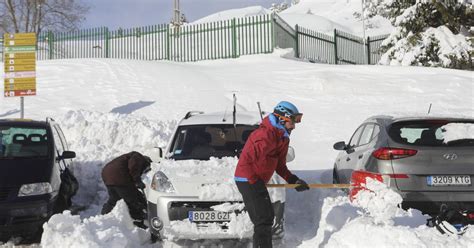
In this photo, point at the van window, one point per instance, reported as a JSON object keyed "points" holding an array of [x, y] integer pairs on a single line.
{"points": [[23, 142]]}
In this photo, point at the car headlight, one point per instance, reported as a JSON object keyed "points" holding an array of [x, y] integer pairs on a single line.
{"points": [[161, 183], [35, 189]]}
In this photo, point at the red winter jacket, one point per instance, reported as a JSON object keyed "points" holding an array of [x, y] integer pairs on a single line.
{"points": [[263, 154]]}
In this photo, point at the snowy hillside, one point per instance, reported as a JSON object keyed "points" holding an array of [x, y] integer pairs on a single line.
{"points": [[107, 107], [321, 15]]}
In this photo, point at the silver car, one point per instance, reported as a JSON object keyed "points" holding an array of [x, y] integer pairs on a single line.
{"points": [[410, 155], [174, 195]]}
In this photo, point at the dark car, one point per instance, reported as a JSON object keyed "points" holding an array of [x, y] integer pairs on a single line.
{"points": [[411, 156], [35, 179]]}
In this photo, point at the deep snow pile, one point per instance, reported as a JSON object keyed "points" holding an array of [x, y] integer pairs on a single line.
{"points": [[374, 218], [114, 229], [216, 178], [98, 138], [319, 14]]}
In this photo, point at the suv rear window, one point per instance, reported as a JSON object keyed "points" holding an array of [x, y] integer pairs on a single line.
{"points": [[428, 133], [23, 142], [204, 141]]}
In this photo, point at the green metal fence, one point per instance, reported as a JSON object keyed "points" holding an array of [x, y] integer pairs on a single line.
{"points": [[341, 48], [214, 40]]}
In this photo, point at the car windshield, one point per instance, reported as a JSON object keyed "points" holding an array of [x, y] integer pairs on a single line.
{"points": [[204, 141], [433, 133], [23, 142]]}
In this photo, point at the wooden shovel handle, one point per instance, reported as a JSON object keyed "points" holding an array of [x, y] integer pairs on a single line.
{"points": [[312, 186]]}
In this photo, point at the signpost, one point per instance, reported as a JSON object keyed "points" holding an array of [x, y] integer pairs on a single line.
{"points": [[20, 66]]}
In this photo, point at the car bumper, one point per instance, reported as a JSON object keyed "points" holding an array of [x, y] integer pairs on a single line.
{"points": [[168, 218], [431, 202], [22, 219]]}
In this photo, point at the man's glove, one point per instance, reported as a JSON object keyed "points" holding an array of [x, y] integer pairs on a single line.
{"points": [[302, 185], [140, 185]]}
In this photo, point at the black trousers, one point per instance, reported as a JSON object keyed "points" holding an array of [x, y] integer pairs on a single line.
{"points": [[135, 200], [259, 207]]}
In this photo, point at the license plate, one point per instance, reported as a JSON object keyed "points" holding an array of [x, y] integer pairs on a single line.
{"points": [[197, 216], [460, 180]]}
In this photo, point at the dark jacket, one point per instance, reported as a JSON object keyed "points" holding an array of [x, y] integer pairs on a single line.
{"points": [[125, 170], [264, 153]]}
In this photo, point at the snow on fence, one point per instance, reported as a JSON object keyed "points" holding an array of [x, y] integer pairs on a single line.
{"points": [[213, 40]]}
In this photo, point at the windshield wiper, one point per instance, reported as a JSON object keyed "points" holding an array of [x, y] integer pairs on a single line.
{"points": [[460, 142]]}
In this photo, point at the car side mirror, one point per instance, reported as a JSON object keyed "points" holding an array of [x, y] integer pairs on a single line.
{"points": [[67, 155], [157, 154], [340, 146], [290, 156]]}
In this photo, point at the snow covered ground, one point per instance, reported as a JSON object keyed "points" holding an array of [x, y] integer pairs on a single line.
{"points": [[107, 107]]}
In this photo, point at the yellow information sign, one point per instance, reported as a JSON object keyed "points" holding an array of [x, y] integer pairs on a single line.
{"points": [[12, 68], [19, 36], [20, 55], [20, 87], [18, 61], [20, 80], [10, 43], [19, 65]]}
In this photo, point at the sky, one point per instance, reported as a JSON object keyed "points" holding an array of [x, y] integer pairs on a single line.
{"points": [[134, 13]]}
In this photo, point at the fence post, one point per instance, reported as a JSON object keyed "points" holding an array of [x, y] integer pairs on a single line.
{"points": [[234, 39], [368, 50], [106, 30], [335, 46], [168, 42], [297, 41], [51, 44]]}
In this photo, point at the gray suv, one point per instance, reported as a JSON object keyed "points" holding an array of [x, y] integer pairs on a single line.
{"points": [[409, 154]]}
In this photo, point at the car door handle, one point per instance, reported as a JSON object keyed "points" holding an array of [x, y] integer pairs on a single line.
{"points": [[348, 159], [360, 156]]}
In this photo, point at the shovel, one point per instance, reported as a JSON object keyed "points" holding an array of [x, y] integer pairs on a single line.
{"points": [[311, 186]]}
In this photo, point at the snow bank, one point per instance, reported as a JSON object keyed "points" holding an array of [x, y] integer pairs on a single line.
{"points": [[457, 131], [215, 178], [374, 219], [111, 230], [98, 138]]}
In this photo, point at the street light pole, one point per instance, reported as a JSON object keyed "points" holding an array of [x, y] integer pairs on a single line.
{"points": [[363, 27], [177, 13]]}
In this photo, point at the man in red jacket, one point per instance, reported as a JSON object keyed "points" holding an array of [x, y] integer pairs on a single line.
{"points": [[122, 177], [263, 154]]}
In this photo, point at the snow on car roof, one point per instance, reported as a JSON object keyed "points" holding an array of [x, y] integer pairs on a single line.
{"points": [[242, 117], [387, 119]]}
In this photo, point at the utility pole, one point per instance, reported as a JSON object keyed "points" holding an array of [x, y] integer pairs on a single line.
{"points": [[177, 14], [363, 28]]}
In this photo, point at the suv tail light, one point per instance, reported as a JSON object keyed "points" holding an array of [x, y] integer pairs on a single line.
{"points": [[387, 153], [358, 180]]}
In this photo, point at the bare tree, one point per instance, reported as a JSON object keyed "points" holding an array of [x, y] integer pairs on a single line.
{"points": [[37, 15]]}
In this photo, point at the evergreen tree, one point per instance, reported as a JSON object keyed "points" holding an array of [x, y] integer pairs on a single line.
{"points": [[415, 22]]}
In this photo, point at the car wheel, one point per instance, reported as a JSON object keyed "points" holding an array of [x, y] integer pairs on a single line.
{"points": [[335, 177]]}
